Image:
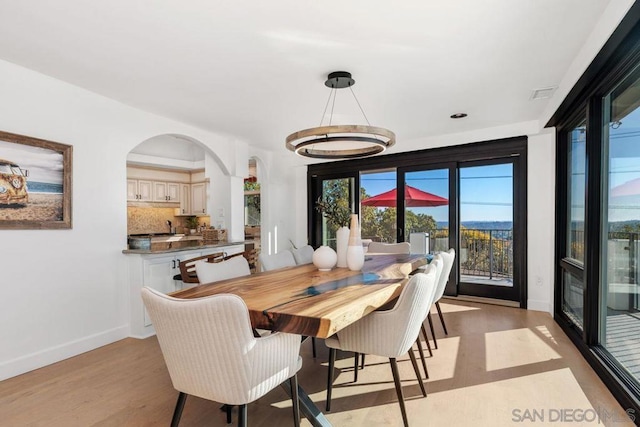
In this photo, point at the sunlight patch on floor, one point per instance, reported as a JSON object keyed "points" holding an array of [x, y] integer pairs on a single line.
{"points": [[451, 308], [442, 365], [516, 347], [508, 403], [545, 331]]}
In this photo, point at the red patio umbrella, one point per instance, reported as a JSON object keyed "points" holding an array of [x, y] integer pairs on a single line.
{"points": [[629, 188], [414, 198]]}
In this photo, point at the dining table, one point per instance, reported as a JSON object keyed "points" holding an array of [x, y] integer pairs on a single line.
{"points": [[306, 301]]}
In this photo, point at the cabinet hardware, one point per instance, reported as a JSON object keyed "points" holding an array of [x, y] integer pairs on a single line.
{"points": [[173, 261]]}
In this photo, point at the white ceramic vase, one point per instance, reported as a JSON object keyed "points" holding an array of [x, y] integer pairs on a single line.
{"points": [[342, 242], [355, 251], [324, 258]]}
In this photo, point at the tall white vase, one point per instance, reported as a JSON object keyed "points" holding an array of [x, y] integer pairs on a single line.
{"points": [[342, 242], [355, 251]]}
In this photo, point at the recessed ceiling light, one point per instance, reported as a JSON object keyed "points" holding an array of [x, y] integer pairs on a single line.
{"points": [[458, 115]]}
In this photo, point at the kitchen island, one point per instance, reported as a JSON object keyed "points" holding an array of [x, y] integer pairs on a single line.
{"points": [[158, 268]]}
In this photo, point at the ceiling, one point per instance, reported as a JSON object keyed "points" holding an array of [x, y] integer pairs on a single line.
{"points": [[256, 70]]}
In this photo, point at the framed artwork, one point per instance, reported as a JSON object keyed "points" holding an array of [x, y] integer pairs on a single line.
{"points": [[35, 183]]}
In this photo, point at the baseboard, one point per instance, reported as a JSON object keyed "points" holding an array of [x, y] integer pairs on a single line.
{"points": [[538, 305], [55, 354], [483, 300]]}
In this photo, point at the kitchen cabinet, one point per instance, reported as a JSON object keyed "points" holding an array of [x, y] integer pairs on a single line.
{"points": [[199, 198], [139, 190], [185, 199], [166, 192], [157, 271]]}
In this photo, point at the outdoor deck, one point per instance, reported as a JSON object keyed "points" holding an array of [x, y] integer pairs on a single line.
{"points": [[623, 339]]}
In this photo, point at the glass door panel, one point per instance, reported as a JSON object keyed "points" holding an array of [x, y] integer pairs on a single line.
{"points": [[576, 193], [378, 213], [486, 231], [426, 214], [573, 286], [620, 314]]}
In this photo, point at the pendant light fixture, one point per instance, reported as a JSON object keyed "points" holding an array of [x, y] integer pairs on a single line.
{"points": [[340, 141]]}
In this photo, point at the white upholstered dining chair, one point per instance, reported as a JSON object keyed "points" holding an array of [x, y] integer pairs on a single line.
{"points": [[389, 248], [275, 261], [210, 351], [208, 272], [389, 333], [448, 258], [303, 255]]}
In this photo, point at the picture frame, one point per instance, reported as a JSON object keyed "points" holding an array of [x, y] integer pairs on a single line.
{"points": [[35, 183]]}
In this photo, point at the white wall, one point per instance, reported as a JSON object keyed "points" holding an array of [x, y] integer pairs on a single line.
{"points": [[65, 291], [541, 220]]}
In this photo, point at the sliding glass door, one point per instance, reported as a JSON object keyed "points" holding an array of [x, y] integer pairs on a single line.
{"points": [[486, 230], [471, 199], [620, 225]]}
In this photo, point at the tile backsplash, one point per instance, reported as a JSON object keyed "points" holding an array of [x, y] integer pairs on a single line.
{"points": [[154, 220]]}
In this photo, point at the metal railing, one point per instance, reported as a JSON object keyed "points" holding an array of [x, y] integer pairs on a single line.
{"points": [[486, 253]]}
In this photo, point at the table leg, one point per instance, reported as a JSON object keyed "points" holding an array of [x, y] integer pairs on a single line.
{"points": [[307, 407]]}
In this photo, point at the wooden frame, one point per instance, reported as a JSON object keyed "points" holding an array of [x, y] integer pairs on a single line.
{"points": [[35, 183]]}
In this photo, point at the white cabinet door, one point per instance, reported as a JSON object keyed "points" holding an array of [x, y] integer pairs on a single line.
{"points": [[185, 199], [159, 191], [145, 191], [158, 274], [199, 199], [132, 190], [173, 192]]}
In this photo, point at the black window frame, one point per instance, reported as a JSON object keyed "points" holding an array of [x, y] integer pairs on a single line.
{"points": [[618, 57]]}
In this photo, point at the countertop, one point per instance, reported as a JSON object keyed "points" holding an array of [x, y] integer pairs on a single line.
{"points": [[182, 245]]}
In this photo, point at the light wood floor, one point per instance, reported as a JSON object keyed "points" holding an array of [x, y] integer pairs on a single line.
{"points": [[497, 365]]}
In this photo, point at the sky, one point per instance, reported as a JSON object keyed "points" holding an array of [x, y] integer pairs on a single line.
{"points": [[623, 165], [486, 192], [43, 165]]}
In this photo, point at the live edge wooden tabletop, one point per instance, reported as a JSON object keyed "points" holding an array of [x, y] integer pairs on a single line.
{"points": [[305, 301]]}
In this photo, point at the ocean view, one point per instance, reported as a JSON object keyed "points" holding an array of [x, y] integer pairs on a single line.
{"points": [[44, 187]]}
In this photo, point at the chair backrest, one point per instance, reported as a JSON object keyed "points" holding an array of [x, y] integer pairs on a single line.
{"points": [[438, 263], [251, 256], [213, 272], [390, 248], [208, 346], [303, 255], [188, 267], [391, 333], [276, 261], [448, 258]]}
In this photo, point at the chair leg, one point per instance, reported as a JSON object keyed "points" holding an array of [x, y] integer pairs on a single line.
{"points": [[242, 415], [177, 413], [426, 339], [433, 333], [424, 362], [332, 362], [229, 408], [313, 346], [293, 382], [441, 318], [356, 362], [417, 371], [362, 363], [396, 380]]}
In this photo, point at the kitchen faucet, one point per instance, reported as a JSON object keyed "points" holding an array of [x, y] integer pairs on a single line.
{"points": [[169, 224]]}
